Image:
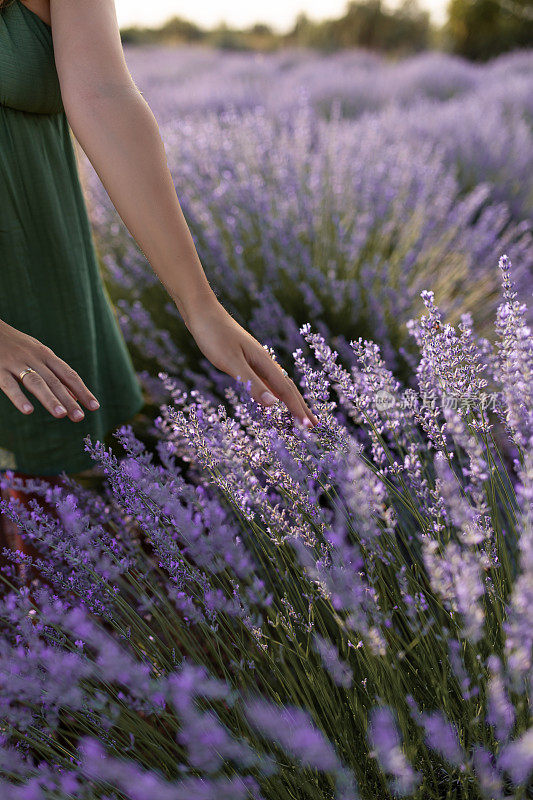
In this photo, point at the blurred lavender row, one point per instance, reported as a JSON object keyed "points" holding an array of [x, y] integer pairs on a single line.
{"points": [[480, 114], [331, 189], [178, 80]]}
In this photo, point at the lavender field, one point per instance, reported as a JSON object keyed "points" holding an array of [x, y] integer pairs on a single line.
{"points": [[331, 190], [248, 609]]}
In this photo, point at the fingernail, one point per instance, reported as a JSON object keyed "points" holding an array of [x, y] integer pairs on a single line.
{"points": [[268, 398], [306, 422], [60, 409], [26, 407], [94, 404], [77, 414]]}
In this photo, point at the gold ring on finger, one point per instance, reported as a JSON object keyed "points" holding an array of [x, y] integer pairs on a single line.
{"points": [[25, 371]]}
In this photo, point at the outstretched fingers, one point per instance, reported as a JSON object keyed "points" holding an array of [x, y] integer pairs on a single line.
{"points": [[267, 377], [11, 388], [59, 369], [36, 383], [57, 394]]}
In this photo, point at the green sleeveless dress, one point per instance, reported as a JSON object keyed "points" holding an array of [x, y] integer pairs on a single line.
{"points": [[51, 286]]}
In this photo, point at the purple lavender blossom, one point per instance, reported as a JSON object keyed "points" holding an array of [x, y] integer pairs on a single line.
{"points": [[386, 744], [442, 737], [517, 757], [339, 670]]}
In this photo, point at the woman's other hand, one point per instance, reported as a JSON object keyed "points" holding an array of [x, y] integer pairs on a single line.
{"points": [[54, 383], [230, 348]]}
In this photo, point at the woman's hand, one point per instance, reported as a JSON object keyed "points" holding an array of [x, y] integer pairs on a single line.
{"points": [[230, 348], [54, 383]]}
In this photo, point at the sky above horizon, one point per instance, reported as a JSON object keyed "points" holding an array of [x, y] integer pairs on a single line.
{"points": [[280, 14]]}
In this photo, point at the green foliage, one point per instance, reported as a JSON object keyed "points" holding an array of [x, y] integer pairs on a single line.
{"points": [[225, 38], [175, 29], [480, 29], [365, 23], [369, 25]]}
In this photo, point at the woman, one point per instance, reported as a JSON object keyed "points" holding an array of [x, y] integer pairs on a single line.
{"points": [[62, 69]]}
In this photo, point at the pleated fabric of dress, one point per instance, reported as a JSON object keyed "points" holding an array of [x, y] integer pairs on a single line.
{"points": [[51, 285]]}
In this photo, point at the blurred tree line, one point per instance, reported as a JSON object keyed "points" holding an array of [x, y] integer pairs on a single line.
{"points": [[369, 25], [480, 29], [477, 29]]}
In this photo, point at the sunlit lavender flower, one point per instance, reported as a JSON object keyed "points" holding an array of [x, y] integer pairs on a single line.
{"points": [[338, 669], [501, 713], [459, 509], [468, 687], [519, 632], [385, 740], [140, 784], [294, 730], [442, 737], [515, 366], [517, 757], [489, 778], [455, 576]]}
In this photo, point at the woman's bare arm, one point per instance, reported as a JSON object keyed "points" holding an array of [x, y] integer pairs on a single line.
{"points": [[119, 134]]}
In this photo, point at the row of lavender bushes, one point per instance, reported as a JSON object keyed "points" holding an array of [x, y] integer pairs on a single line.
{"points": [[190, 79], [306, 202], [270, 612]]}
